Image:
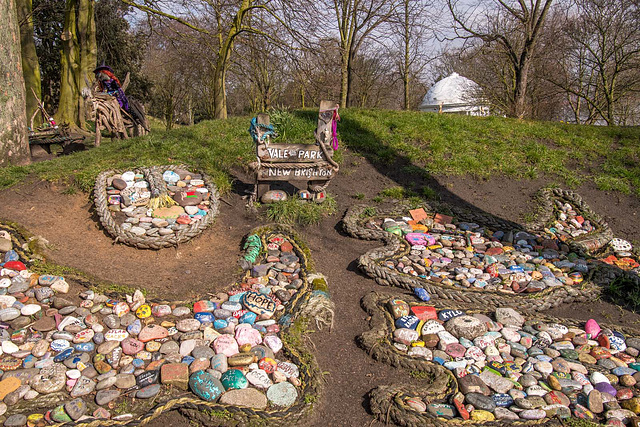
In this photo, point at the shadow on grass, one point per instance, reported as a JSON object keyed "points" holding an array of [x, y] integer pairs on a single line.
{"points": [[393, 164]]}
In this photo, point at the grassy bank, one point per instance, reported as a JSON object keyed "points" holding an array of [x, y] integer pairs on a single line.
{"points": [[427, 143]]}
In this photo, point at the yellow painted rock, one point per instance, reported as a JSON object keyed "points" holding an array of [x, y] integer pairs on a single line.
{"points": [[480, 415]]}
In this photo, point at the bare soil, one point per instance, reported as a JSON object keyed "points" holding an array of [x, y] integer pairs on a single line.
{"points": [[207, 264]]}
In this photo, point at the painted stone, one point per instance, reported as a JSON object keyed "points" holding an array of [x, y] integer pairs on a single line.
{"points": [[260, 304], [234, 379], [206, 386]]}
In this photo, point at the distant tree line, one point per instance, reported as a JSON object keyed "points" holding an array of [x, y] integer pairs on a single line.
{"points": [[574, 60]]}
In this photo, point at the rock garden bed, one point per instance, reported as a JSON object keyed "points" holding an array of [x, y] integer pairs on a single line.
{"points": [[74, 355], [155, 207], [499, 366]]}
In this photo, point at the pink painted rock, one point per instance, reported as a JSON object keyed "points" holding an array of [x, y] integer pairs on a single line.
{"points": [[455, 350], [226, 344], [273, 342], [131, 346], [248, 335], [161, 310], [152, 332], [592, 328]]}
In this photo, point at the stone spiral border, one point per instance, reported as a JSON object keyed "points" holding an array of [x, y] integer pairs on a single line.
{"points": [[586, 244], [153, 175], [387, 402], [293, 337], [394, 246]]}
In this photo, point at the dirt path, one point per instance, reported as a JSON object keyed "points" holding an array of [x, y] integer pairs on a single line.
{"points": [[207, 263]]}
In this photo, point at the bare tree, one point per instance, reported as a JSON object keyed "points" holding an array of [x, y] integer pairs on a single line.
{"points": [[514, 26], [223, 22], [356, 22], [14, 143], [411, 24], [601, 59]]}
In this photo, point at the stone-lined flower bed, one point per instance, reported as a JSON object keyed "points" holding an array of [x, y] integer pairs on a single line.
{"points": [[72, 355], [468, 255], [507, 366], [155, 207]]}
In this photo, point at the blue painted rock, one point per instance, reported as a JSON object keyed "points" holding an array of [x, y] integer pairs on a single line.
{"points": [[206, 386], [422, 294], [448, 314], [234, 379], [407, 322], [204, 317]]}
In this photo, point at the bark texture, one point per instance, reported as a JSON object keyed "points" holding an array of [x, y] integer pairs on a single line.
{"points": [[77, 61], [14, 142], [30, 67]]}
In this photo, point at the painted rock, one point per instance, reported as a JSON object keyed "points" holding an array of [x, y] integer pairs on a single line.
{"points": [[259, 378], [116, 335], [398, 308], [273, 196], [152, 332], [260, 304], [234, 379], [282, 394]]}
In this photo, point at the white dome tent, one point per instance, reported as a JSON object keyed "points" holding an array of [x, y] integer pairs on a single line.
{"points": [[454, 94]]}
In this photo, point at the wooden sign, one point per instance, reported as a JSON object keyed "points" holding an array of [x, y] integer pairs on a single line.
{"points": [[312, 172], [299, 153], [296, 162]]}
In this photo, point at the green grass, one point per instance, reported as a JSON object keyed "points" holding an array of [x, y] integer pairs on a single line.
{"points": [[419, 145], [303, 212], [431, 144]]}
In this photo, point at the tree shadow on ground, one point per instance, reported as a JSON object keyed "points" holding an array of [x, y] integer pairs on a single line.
{"points": [[395, 165]]}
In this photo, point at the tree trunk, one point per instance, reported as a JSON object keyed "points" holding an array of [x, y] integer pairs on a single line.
{"points": [[219, 93], [14, 142], [30, 67], [88, 51], [344, 78], [518, 109], [407, 55], [78, 60], [69, 69]]}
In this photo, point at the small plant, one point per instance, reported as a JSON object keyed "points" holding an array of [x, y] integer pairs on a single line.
{"points": [[369, 212], [422, 375], [378, 199], [296, 211], [429, 193], [358, 196], [394, 192]]}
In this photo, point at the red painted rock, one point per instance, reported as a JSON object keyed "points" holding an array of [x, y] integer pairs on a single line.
{"points": [[152, 332], [424, 312], [175, 374], [15, 265]]}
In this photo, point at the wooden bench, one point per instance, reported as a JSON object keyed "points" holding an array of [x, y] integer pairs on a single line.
{"points": [[310, 163]]}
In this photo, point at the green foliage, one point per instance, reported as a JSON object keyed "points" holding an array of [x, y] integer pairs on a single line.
{"points": [[422, 375], [303, 212], [394, 192], [623, 291], [358, 196], [368, 212]]}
